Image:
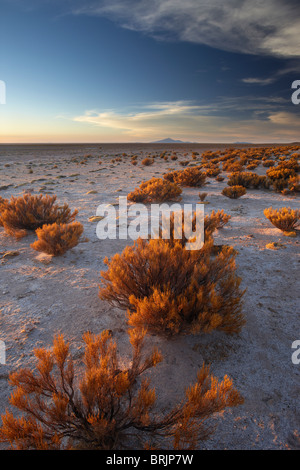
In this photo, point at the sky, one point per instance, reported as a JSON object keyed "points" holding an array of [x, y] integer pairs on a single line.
{"points": [[143, 70]]}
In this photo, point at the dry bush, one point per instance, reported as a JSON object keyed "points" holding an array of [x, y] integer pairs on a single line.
{"points": [[268, 163], [202, 196], [280, 173], [192, 177], [169, 289], [56, 239], [106, 406], [155, 190], [215, 221], [3, 206], [280, 184], [147, 161], [286, 219], [212, 222], [31, 212], [291, 164], [234, 166], [247, 179], [234, 192], [252, 165], [212, 172], [293, 184]]}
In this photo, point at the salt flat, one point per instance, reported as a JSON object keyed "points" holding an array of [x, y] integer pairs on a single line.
{"points": [[41, 296]]}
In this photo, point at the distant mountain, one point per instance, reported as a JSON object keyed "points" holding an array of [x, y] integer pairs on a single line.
{"points": [[170, 141]]}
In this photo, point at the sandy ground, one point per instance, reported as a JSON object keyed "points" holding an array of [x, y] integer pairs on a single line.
{"points": [[41, 296]]}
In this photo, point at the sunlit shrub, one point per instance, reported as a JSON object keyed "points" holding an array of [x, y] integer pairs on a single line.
{"points": [[280, 184], [291, 164], [155, 190], [104, 406], [31, 212], [286, 219], [202, 196], [280, 173], [147, 161], [3, 205], [232, 166], [56, 239], [293, 184], [247, 179], [234, 192], [212, 172], [191, 176], [215, 221], [268, 163], [252, 166], [169, 289]]}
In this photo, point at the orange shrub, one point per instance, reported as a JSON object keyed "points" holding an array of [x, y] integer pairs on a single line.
{"points": [[168, 289], [215, 221], [155, 190], [56, 239], [294, 184], [31, 212], [202, 196], [280, 173], [234, 192], [147, 161], [191, 176], [212, 172], [212, 222], [286, 219], [268, 163], [104, 408], [3, 206], [232, 166], [247, 179]]}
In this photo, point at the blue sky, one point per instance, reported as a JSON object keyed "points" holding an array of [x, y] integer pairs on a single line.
{"points": [[127, 71]]}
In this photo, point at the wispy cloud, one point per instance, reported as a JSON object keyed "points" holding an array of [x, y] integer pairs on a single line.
{"points": [[290, 67], [259, 81], [184, 120], [270, 27]]}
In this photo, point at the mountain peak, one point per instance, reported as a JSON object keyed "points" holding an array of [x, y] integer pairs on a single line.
{"points": [[168, 140]]}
